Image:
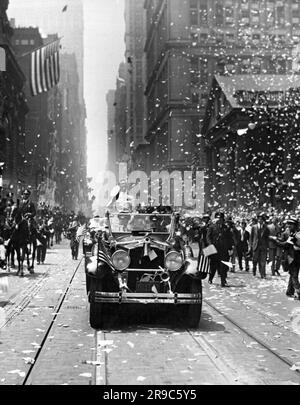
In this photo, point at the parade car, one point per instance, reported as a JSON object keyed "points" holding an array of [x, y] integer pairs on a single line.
{"points": [[141, 258]]}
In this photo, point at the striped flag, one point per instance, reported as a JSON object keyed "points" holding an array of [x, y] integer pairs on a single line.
{"points": [[45, 68], [103, 255], [203, 264]]}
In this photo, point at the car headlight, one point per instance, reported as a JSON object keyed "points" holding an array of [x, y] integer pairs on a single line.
{"points": [[173, 261], [121, 260]]}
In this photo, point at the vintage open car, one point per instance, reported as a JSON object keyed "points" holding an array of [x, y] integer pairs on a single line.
{"points": [[141, 258]]}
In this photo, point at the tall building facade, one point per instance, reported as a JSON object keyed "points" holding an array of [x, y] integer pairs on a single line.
{"points": [[188, 41], [111, 132], [122, 147], [135, 36], [68, 106], [13, 110], [37, 139]]}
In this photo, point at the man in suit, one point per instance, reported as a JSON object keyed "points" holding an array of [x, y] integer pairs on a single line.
{"points": [[243, 246], [220, 236], [273, 248], [291, 245], [27, 207], [259, 242]]}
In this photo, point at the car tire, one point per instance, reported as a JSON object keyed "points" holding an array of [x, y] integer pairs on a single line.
{"points": [[96, 315], [193, 311], [87, 283]]}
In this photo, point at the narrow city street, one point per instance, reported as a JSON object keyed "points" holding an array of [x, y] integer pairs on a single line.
{"points": [[249, 334]]}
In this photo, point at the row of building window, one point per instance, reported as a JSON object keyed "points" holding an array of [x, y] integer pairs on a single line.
{"points": [[24, 42], [254, 12], [231, 38]]}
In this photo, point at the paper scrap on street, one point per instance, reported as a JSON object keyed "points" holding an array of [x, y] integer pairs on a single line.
{"points": [[4, 284], [228, 264]]}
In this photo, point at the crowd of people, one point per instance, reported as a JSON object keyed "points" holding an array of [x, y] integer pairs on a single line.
{"points": [[28, 231], [249, 242]]}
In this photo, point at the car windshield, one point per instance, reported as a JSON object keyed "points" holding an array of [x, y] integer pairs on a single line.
{"points": [[156, 223]]}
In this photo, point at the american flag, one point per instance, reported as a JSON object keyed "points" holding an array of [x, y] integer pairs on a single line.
{"points": [[103, 255], [203, 264], [45, 68]]}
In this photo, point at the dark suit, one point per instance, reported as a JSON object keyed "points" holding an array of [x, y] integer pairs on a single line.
{"points": [[291, 262], [243, 247], [27, 208], [274, 251], [259, 243], [221, 238]]}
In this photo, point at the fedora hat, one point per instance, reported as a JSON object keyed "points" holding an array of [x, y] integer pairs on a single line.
{"points": [[292, 220]]}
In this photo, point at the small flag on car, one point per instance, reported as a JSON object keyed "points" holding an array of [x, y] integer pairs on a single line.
{"points": [[103, 256], [204, 264]]}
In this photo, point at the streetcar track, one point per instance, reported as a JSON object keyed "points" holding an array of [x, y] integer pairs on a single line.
{"points": [[101, 368], [224, 368], [250, 335], [55, 314]]}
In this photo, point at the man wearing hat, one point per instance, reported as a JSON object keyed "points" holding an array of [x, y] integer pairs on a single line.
{"points": [[27, 207], [220, 236], [291, 245], [258, 244]]}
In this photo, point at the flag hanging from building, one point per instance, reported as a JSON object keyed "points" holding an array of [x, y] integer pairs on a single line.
{"points": [[45, 68]]}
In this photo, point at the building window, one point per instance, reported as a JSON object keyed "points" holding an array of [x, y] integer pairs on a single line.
{"points": [[295, 13], [199, 12], [229, 13], [203, 11], [255, 8], [194, 12], [272, 66], [281, 66], [280, 13], [219, 38], [194, 72], [256, 39], [203, 38], [245, 13], [219, 13], [24, 42], [203, 69], [246, 63], [199, 71], [230, 38], [32, 42], [17, 42], [256, 65], [220, 67]]}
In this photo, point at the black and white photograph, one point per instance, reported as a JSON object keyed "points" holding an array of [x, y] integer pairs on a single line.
{"points": [[149, 195]]}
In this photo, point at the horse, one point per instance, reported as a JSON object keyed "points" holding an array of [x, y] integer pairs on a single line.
{"points": [[32, 242], [19, 239]]}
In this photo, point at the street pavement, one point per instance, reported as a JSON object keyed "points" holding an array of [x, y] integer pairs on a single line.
{"points": [[156, 351]]}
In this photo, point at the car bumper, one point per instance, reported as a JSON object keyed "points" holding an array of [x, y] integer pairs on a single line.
{"points": [[146, 298]]}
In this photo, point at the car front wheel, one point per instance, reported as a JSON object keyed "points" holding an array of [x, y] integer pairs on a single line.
{"points": [[96, 315]]}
